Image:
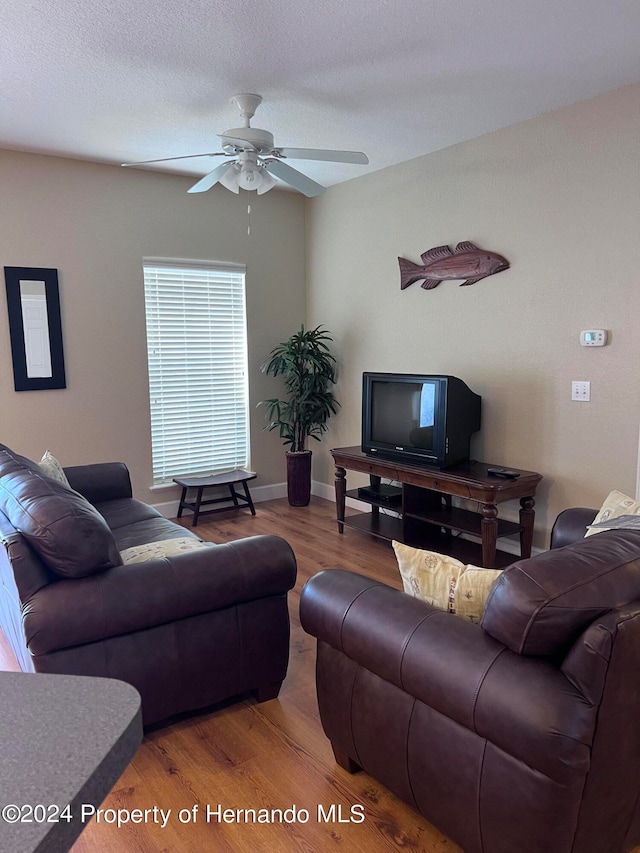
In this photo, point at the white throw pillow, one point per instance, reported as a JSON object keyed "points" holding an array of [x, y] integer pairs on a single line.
{"points": [[616, 503], [50, 467]]}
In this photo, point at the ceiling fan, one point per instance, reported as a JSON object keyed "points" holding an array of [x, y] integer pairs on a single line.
{"points": [[255, 159]]}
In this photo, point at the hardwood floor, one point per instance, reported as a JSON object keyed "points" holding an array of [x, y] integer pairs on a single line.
{"points": [[272, 755]]}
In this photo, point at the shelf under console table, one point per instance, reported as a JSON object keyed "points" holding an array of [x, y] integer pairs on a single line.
{"points": [[425, 514]]}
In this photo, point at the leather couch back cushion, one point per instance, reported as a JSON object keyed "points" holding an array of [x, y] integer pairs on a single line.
{"points": [[540, 606], [69, 534]]}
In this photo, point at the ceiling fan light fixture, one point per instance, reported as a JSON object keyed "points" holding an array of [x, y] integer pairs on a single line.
{"points": [[268, 182], [249, 177]]}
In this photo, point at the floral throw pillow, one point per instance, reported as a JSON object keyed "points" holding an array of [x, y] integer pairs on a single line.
{"points": [[444, 582], [616, 503], [163, 548], [50, 467]]}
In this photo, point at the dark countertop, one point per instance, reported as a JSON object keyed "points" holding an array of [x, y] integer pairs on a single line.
{"points": [[64, 739]]}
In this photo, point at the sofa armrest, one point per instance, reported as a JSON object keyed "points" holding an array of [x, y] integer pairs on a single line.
{"points": [[523, 705], [571, 525], [102, 481], [137, 596]]}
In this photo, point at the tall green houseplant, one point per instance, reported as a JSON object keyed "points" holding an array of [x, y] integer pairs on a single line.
{"points": [[309, 370]]}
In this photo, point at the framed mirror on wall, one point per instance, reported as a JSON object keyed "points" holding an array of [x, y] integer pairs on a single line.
{"points": [[35, 328]]}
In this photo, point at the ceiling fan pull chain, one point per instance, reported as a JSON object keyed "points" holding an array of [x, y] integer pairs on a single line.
{"points": [[248, 219]]}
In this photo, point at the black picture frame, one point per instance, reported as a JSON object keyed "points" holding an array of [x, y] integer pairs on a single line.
{"points": [[22, 381]]}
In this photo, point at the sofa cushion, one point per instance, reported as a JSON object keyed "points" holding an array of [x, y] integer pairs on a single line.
{"points": [[149, 530], [444, 582], [134, 523], [122, 512], [69, 535], [541, 605]]}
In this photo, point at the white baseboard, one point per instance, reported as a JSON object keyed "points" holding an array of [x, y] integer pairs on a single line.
{"points": [[322, 490], [258, 494], [268, 493]]}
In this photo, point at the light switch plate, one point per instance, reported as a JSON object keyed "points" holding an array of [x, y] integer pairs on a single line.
{"points": [[581, 391]]}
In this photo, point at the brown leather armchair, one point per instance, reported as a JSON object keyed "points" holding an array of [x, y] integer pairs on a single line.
{"points": [[519, 735]]}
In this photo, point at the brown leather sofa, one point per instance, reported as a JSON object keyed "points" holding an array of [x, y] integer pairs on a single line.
{"points": [[187, 631], [519, 735]]}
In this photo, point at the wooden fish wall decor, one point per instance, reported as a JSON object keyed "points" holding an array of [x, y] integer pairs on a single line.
{"points": [[467, 261]]}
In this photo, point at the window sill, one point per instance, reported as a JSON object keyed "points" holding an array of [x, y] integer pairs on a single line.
{"points": [[164, 487]]}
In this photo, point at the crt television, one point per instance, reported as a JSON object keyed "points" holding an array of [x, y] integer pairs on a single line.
{"points": [[426, 420]]}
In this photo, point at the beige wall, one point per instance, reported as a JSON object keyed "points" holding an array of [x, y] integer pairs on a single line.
{"points": [[95, 223], [559, 197]]}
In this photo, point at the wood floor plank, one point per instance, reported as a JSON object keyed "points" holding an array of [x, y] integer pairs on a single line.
{"points": [[246, 755]]}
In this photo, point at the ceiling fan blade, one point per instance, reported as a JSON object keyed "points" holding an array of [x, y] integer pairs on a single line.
{"points": [[186, 157], [212, 178], [320, 154], [294, 178]]}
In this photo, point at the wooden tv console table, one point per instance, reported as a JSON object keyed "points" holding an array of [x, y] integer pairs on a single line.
{"points": [[426, 515]]}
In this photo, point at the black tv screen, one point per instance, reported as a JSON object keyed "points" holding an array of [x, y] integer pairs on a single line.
{"points": [[418, 418], [403, 413]]}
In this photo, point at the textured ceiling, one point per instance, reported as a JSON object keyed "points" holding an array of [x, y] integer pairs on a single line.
{"points": [[123, 80]]}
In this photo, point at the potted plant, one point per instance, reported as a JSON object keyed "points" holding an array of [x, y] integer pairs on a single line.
{"points": [[309, 371]]}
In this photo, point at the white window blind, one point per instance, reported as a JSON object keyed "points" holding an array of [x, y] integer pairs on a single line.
{"points": [[197, 355]]}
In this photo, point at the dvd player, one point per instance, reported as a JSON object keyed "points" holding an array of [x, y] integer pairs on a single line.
{"points": [[383, 493]]}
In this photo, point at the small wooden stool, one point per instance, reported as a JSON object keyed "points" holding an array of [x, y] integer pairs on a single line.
{"points": [[230, 478]]}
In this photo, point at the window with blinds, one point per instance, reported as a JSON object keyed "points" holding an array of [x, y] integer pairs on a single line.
{"points": [[197, 355]]}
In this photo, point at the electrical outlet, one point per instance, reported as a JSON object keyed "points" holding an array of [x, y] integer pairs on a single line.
{"points": [[581, 391]]}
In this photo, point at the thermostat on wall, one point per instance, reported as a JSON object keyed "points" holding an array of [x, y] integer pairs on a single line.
{"points": [[593, 338]]}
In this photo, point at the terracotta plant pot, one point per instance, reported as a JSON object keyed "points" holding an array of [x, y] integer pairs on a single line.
{"points": [[299, 477]]}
